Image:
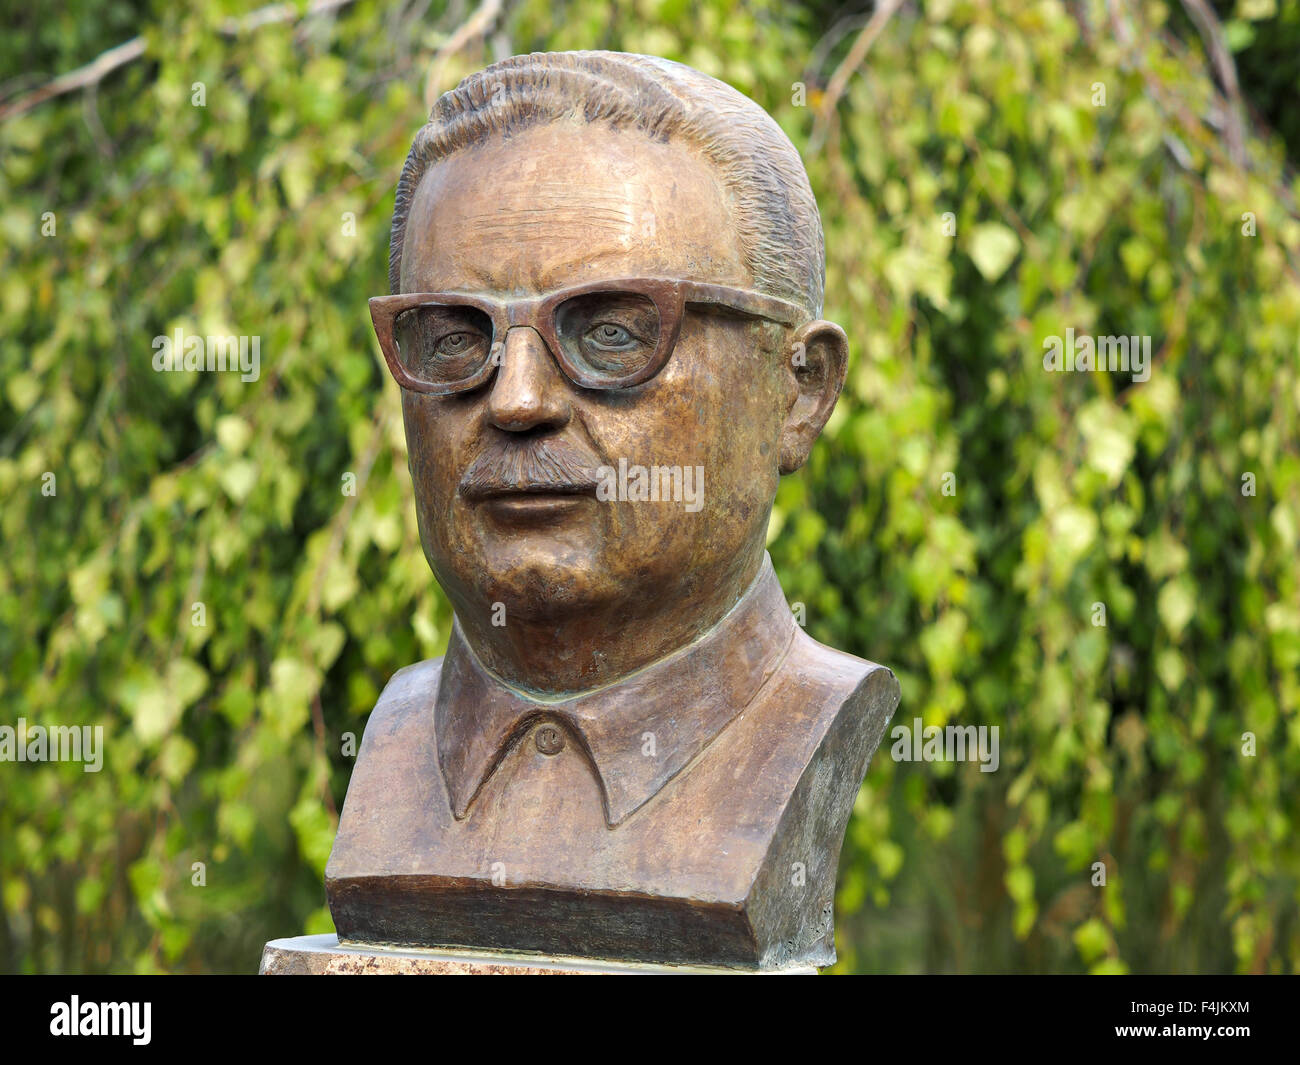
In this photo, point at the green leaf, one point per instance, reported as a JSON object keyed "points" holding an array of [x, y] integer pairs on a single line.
{"points": [[993, 247]]}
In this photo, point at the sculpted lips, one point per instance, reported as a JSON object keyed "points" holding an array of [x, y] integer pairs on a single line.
{"points": [[537, 467]]}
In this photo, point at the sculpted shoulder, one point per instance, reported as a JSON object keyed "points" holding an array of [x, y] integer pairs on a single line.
{"points": [[849, 702], [393, 782], [841, 683], [405, 703]]}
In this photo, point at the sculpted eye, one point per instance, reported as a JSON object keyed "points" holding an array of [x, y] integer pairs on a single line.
{"points": [[440, 343], [455, 343], [608, 335]]}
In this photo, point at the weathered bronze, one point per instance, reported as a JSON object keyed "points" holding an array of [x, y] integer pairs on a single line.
{"points": [[607, 274]]}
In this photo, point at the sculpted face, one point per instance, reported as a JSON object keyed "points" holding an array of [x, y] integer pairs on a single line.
{"points": [[547, 209]]}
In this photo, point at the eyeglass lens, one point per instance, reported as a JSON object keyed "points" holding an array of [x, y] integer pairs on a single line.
{"points": [[605, 335]]}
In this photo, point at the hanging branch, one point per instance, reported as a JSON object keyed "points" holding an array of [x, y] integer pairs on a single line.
{"points": [[128, 51], [885, 10], [476, 26], [1207, 25], [91, 74]]}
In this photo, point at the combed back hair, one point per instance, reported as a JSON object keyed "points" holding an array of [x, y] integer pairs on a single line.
{"points": [[774, 209]]}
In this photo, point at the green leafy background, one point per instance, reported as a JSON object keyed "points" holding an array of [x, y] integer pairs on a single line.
{"points": [[1120, 744]]}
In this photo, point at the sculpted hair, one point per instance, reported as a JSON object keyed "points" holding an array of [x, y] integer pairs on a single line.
{"points": [[780, 230]]}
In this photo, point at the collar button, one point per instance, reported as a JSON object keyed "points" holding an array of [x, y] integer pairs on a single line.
{"points": [[549, 739]]}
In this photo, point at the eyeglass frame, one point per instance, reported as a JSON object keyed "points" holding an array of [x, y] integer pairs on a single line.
{"points": [[670, 297]]}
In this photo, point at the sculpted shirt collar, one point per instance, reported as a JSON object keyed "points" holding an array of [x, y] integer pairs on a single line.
{"points": [[685, 700]]}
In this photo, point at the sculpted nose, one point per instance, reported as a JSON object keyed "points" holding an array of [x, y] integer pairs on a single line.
{"points": [[529, 390]]}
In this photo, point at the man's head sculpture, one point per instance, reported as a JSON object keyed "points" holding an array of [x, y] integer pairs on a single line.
{"points": [[607, 275]]}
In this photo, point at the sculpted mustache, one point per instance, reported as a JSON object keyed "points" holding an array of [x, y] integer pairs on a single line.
{"points": [[541, 466]]}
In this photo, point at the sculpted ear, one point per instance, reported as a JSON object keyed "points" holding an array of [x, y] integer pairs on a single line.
{"points": [[817, 358]]}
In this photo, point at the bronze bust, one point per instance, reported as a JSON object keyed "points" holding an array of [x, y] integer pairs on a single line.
{"points": [[607, 275]]}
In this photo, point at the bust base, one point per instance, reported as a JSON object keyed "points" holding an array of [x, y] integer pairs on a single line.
{"points": [[324, 955]]}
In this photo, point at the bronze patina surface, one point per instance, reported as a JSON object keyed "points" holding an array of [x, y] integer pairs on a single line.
{"points": [[607, 276]]}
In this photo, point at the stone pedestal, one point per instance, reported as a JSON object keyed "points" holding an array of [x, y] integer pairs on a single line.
{"points": [[326, 956]]}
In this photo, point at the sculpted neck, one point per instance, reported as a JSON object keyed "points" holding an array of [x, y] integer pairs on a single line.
{"points": [[564, 652]]}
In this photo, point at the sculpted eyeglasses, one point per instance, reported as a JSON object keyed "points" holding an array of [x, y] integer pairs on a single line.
{"points": [[603, 335]]}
